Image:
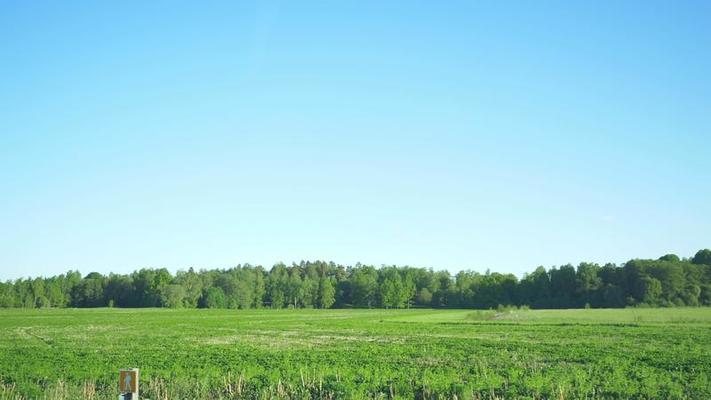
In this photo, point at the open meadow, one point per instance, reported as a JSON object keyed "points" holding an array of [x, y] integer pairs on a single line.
{"points": [[314, 354]]}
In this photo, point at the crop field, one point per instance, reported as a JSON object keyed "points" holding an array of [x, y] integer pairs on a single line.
{"points": [[361, 354]]}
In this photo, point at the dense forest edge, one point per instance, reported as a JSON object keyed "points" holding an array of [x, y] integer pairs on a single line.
{"points": [[665, 282]]}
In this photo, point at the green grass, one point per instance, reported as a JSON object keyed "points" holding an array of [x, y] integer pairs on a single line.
{"points": [[322, 354]]}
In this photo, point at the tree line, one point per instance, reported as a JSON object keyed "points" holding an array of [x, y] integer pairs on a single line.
{"points": [[667, 281]]}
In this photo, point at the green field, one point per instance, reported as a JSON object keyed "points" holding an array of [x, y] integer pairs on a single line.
{"points": [[322, 354]]}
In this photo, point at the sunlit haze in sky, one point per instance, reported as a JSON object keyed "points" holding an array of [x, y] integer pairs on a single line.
{"points": [[452, 135]]}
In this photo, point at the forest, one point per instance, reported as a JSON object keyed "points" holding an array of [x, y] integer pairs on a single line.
{"points": [[664, 282]]}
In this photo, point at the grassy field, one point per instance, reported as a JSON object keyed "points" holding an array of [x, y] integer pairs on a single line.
{"points": [[322, 354]]}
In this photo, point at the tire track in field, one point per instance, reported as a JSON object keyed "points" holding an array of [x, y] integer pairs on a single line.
{"points": [[25, 331]]}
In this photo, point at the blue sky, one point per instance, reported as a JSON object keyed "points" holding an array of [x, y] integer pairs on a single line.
{"points": [[457, 135]]}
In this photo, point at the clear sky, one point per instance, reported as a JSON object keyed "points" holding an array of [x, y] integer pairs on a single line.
{"points": [[457, 135]]}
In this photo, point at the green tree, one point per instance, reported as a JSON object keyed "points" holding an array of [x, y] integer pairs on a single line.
{"points": [[278, 285], [294, 290], [536, 289], [326, 293], [424, 297], [7, 295], [193, 286], [705, 295], [259, 287], [648, 290], [71, 279], [89, 293], [562, 287], [670, 257], [392, 289], [161, 280], [691, 294], [666, 281], [702, 257], [172, 296], [588, 284], [143, 283], [55, 296], [364, 286], [310, 291], [119, 291], [213, 297]]}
